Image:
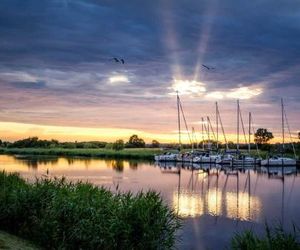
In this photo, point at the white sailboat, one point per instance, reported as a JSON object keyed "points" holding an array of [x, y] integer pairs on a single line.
{"points": [[281, 160], [168, 156], [244, 159]]}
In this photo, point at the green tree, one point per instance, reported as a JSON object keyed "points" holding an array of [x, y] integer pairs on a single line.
{"points": [[155, 144], [135, 142], [262, 136], [118, 145]]}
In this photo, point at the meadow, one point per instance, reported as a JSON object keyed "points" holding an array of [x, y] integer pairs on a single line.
{"points": [[128, 153]]}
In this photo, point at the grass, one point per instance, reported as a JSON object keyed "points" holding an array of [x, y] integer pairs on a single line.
{"points": [[56, 214], [8, 241], [135, 153], [274, 239]]}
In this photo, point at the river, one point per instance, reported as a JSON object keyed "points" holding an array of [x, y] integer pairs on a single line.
{"points": [[214, 202]]}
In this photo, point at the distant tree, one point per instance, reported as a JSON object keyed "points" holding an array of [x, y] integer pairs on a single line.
{"points": [[299, 135], [155, 144], [135, 142], [231, 145], [0, 143], [118, 145], [109, 145], [262, 136]]}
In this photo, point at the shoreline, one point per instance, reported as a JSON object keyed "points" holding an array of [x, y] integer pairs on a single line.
{"points": [[134, 153]]}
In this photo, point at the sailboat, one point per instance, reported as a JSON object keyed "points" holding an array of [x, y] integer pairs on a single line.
{"points": [[281, 160], [244, 160], [209, 156], [168, 156]]}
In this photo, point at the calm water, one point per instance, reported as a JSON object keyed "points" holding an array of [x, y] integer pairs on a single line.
{"points": [[214, 202]]}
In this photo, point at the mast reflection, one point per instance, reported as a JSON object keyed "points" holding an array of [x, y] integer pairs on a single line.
{"points": [[216, 192]]}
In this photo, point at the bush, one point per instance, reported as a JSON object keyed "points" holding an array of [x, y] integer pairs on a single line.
{"points": [[60, 215], [118, 145]]}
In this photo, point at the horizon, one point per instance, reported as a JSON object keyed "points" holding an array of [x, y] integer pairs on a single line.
{"points": [[59, 79]]}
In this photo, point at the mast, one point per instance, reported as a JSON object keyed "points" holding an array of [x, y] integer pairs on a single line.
{"points": [[202, 133], [217, 123], [238, 126], [193, 134], [208, 135], [282, 124], [250, 121], [178, 117]]}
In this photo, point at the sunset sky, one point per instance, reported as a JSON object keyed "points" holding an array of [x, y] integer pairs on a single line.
{"points": [[58, 79]]}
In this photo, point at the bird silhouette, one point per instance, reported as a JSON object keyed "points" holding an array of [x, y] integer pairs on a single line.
{"points": [[116, 60], [208, 68]]}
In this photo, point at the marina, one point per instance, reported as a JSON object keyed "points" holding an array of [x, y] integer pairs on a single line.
{"points": [[234, 158]]}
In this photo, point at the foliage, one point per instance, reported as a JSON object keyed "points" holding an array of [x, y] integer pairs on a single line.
{"points": [[35, 142], [275, 239], [57, 214], [262, 136], [155, 144], [135, 142], [118, 145]]}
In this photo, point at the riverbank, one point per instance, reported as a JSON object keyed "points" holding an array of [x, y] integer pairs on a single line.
{"points": [[57, 214], [130, 153], [8, 241]]}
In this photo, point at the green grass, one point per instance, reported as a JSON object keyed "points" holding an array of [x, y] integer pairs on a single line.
{"points": [[274, 239], [56, 214], [8, 241], [140, 153]]}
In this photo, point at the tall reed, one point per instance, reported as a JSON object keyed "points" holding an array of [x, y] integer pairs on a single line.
{"points": [[59, 214]]}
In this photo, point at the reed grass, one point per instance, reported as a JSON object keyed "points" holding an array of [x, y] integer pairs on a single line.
{"points": [[274, 239], [57, 214], [135, 153]]}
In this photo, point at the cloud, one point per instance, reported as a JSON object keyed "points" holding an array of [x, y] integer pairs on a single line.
{"points": [[236, 93], [57, 56], [118, 79], [187, 87]]}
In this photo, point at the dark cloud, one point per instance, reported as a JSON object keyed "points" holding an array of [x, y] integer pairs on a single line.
{"points": [[64, 48]]}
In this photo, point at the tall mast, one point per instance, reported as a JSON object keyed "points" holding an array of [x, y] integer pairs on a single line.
{"points": [[202, 132], [217, 123], [193, 134], [238, 126], [249, 141], [282, 124], [208, 135], [178, 117]]}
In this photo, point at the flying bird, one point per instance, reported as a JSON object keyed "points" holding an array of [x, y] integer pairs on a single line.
{"points": [[119, 60], [116, 60], [208, 68]]}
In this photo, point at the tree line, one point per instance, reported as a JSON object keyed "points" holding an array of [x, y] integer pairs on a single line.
{"points": [[34, 142], [261, 137]]}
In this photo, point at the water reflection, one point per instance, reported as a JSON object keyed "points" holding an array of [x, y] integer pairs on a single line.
{"points": [[192, 190], [208, 192], [211, 199]]}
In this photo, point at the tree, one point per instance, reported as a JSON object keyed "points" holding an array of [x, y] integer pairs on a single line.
{"points": [[155, 144], [262, 136], [135, 142], [118, 145], [0, 143], [299, 135]]}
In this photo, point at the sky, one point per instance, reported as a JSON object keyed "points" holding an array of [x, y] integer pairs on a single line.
{"points": [[58, 78]]}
